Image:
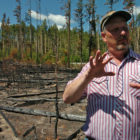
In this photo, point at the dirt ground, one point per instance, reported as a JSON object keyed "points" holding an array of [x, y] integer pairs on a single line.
{"points": [[35, 83]]}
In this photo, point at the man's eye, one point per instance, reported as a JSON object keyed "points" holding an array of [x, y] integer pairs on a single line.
{"points": [[115, 30], [125, 28]]}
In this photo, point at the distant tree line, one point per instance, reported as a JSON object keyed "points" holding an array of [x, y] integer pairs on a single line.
{"points": [[43, 44]]}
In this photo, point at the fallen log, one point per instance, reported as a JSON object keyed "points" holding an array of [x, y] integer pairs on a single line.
{"points": [[70, 117], [34, 100], [30, 81], [36, 94]]}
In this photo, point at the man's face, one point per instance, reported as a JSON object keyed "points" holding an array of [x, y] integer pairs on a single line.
{"points": [[116, 34]]}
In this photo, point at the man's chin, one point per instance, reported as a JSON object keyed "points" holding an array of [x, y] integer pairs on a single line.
{"points": [[122, 47]]}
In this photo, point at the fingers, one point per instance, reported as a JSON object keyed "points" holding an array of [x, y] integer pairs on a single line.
{"points": [[97, 56], [96, 59], [104, 55], [135, 85], [106, 61], [91, 61], [99, 59], [98, 63]]}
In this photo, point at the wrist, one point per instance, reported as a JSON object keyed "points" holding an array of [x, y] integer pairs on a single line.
{"points": [[88, 76]]}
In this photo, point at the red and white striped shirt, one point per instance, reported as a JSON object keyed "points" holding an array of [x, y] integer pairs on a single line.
{"points": [[113, 109]]}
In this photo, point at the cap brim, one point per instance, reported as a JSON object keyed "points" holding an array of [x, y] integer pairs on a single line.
{"points": [[123, 14]]}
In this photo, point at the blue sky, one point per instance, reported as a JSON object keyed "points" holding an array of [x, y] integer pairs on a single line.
{"points": [[51, 10]]}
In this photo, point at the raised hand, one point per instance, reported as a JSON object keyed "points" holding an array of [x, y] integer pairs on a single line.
{"points": [[75, 89], [97, 66]]}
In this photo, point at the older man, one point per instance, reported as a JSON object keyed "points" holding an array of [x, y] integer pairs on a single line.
{"points": [[111, 84]]}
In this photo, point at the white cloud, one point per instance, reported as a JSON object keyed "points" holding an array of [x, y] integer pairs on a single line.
{"points": [[59, 26], [136, 10], [59, 20]]}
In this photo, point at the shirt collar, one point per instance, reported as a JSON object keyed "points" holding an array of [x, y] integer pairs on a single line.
{"points": [[132, 54]]}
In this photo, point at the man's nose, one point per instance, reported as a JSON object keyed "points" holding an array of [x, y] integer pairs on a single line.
{"points": [[123, 32]]}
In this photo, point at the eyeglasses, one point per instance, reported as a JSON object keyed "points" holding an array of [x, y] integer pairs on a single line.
{"points": [[117, 30]]}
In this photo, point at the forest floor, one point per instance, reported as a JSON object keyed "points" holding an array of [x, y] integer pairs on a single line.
{"points": [[26, 88]]}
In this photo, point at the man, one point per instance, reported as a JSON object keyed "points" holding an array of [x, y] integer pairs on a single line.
{"points": [[111, 84]]}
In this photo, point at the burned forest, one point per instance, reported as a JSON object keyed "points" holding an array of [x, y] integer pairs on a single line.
{"points": [[39, 53], [31, 103]]}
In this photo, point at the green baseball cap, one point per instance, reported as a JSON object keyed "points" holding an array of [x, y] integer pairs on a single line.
{"points": [[111, 14]]}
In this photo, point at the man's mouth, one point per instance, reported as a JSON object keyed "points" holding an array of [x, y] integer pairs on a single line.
{"points": [[122, 41]]}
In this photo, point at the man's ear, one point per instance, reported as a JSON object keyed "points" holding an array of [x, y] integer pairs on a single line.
{"points": [[103, 34]]}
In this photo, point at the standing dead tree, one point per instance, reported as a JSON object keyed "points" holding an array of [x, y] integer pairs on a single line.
{"points": [[68, 18], [111, 3], [17, 12], [28, 19], [67, 9], [92, 43], [79, 15], [56, 79]]}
